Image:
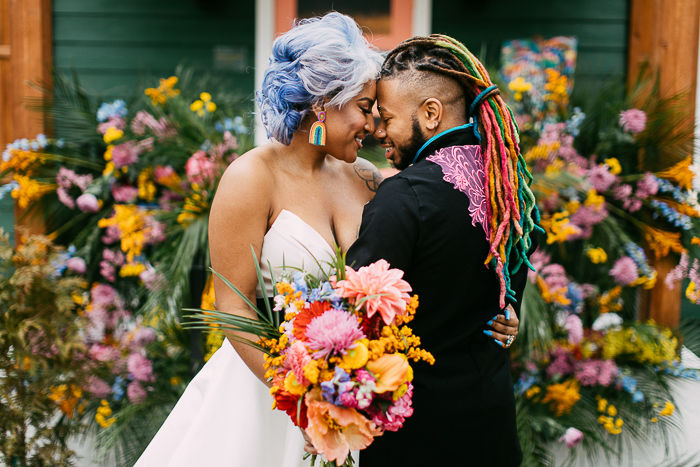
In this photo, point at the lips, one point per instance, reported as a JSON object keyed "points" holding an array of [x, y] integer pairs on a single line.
{"points": [[359, 142], [390, 150]]}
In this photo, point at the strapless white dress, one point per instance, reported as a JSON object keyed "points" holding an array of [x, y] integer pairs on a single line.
{"points": [[224, 417]]}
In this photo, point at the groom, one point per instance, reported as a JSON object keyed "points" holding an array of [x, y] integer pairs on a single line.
{"points": [[434, 221]]}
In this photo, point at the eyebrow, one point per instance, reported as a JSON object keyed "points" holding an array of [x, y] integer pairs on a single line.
{"points": [[382, 109]]}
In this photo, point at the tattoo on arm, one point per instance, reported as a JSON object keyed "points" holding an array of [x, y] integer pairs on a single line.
{"points": [[369, 174]]}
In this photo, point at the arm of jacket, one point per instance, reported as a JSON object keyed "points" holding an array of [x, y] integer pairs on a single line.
{"points": [[391, 227]]}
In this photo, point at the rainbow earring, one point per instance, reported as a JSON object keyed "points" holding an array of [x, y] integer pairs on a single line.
{"points": [[317, 135]]}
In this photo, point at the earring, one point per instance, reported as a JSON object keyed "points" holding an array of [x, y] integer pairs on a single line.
{"points": [[317, 135]]}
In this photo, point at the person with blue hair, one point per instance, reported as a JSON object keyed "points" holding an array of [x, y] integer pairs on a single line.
{"points": [[293, 200]]}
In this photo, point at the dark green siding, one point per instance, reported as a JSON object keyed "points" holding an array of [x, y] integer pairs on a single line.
{"points": [[600, 25], [7, 216], [111, 43]]}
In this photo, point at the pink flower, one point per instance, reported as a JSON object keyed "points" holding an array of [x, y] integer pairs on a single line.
{"points": [[648, 186], [396, 414], [140, 367], [575, 328], [390, 291], [143, 120], [622, 192], [64, 197], [633, 120], [124, 193], [113, 234], [125, 154], [103, 295], [88, 203], [152, 280], [678, 273], [104, 353], [107, 270], [571, 438], [297, 357], [538, 260], [561, 363], [114, 121], [98, 388], [608, 373], [624, 271], [77, 265], [600, 178], [199, 168], [334, 331], [143, 336], [592, 372], [136, 393]]}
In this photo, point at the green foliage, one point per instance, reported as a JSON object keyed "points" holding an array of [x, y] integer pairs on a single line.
{"points": [[40, 390]]}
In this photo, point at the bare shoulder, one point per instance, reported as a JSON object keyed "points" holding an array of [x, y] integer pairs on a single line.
{"points": [[246, 184], [366, 174]]}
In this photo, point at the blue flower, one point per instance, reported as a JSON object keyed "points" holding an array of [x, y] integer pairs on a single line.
{"points": [[630, 384], [299, 284], [118, 389], [41, 139], [115, 109], [638, 396]]}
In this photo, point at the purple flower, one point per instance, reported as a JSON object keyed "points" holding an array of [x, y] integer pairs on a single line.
{"points": [[88, 203], [140, 367], [77, 265], [624, 271], [98, 388], [633, 120], [334, 331], [561, 363], [575, 328], [571, 437], [136, 393]]}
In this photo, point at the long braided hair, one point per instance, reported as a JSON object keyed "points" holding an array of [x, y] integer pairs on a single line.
{"points": [[512, 211]]}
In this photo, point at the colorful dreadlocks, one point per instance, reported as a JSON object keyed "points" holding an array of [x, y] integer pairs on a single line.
{"points": [[509, 198]]}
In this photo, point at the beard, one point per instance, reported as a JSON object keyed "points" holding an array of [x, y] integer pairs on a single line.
{"points": [[408, 150]]}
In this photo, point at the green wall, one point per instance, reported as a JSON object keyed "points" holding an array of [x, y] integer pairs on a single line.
{"points": [[600, 25], [112, 42]]}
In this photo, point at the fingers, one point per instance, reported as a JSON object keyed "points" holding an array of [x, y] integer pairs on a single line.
{"points": [[500, 339], [308, 447], [502, 328]]}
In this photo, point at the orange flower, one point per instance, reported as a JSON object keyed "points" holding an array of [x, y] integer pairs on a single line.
{"points": [[334, 431], [391, 371], [304, 318], [661, 241]]}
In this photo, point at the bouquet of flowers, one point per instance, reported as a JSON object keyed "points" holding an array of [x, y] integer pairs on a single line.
{"points": [[339, 360]]}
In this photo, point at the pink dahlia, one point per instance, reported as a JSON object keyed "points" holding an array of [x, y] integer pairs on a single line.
{"points": [[297, 357], [77, 265], [571, 437], [334, 331], [124, 193], [136, 393], [140, 367], [199, 168], [396, 414], [88, 203], [633, 120], [125, 154], [600, 178], [624, 271], [575, 328], [389, 291]]}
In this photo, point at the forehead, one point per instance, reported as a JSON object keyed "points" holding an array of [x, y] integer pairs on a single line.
{"points": [[368, 90], [391, 95]]}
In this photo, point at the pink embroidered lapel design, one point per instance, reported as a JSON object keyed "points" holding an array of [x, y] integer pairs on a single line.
{"points": [[463, 167]]}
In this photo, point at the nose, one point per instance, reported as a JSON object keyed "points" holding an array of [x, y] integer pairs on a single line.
{"points": [[369, 126], [380, 132]]}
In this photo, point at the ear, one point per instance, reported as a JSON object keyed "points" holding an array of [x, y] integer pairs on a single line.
{"points": [[432, 112]]}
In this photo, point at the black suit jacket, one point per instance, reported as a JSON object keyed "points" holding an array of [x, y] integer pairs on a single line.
{"points": [[464, 403]]}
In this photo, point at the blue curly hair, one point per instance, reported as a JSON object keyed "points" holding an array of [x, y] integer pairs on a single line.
{"points": [[320, 61]]}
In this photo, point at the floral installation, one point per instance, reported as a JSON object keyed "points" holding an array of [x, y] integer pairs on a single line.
{"points": [[611, 208], [339, 360], [129, 189]]}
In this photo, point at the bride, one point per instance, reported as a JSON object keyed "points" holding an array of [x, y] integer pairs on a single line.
{"points": [[292, 200]]}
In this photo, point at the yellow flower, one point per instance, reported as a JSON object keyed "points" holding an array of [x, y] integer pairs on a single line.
{"points": [[690, 293], [109, 168], [203, 104], [667, 410], [558, 227], [196, 105], [108, 153], [112, 134], [680, 173], [164, 91], [557, 88], [614, 165], [292, 386], [562, 397], [147, 189], [104, 412], [602, 404], [594, 199], [205, 96], [211, 107], [654, 420], [572, 206], [311, 371], [29, 190], [519, 85], [399, 393], [532, 392], [133, 227], [662, 242], [612, 411], [131, 269], [22, 162], [175, 380], [597, 255], [356, 358], [542, 151]]}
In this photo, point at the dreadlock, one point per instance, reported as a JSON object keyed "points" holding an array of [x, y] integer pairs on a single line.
{"points": [[510, 202]]}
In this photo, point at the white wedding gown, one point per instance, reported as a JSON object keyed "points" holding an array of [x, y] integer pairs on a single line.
{"points": [[224, 417]]}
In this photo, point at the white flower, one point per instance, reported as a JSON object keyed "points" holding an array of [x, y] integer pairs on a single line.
{"points": [[606, 321]]}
